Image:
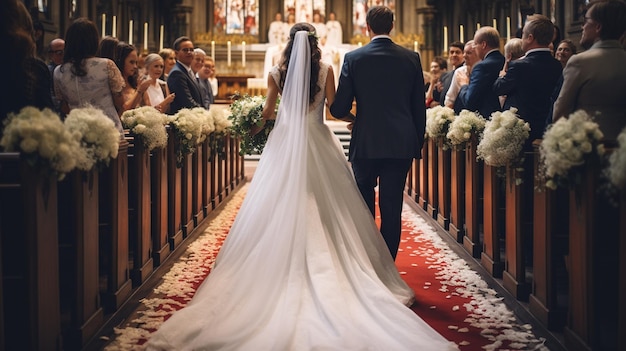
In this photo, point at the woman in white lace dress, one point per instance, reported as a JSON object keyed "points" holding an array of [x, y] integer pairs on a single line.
{"points": [[304, 266]]}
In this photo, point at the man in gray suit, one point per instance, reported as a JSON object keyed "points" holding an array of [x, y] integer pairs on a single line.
{"points": [[595, 80], [387, 82]]}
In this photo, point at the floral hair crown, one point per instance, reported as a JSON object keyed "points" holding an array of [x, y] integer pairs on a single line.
{"points": [[313, 34]]}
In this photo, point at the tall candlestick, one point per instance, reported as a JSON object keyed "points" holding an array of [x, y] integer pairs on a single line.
{"points": [[161, 38], [114, 27], [508, 28], [445, 38], [360, 44], [477, 26], [495, 24], [213, 50], [130, 32], [461, 33], [145, 36], [415, 46], [228, 53], [243, 54], [104, 23]]}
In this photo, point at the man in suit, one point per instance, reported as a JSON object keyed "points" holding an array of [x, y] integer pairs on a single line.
{"points": [[181, 79], [455, 56], [202, 77], [388, 131], [595, 80], [529, 81], [478, 94]]}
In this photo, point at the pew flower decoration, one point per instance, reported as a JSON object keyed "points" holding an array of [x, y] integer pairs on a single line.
{"points": [[245, 114], [464, 126], [42, 139], [616, 171], [438, 120], [503, 139], [148, 124], [567, 145], [222, 125], [191, 127], [97, 135]]}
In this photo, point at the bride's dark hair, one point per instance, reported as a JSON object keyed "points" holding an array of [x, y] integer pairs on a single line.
{"points": [[316, 56]]}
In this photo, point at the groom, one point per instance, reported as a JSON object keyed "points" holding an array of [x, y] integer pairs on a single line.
{"points": [[388, 131]]}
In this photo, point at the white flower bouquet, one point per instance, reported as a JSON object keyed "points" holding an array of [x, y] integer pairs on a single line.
{"points": [[192, 126], [245, 115], [220, 119], [566, 146], [438, 120], [98, 137], [148, 124], [464, 126], [42, 139], [616, 170], [503, 139]]}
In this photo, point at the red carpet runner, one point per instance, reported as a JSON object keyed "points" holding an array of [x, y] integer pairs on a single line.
{"points": [[451, 297]]}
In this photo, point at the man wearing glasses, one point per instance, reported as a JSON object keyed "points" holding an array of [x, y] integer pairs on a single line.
{"points": [[181, 80]]}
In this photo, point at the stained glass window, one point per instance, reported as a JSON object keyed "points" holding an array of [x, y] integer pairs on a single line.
{"points": [[236, 16], [359, 10]]}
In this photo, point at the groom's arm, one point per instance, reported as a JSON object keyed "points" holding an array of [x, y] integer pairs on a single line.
{"points": [[340, 108]]}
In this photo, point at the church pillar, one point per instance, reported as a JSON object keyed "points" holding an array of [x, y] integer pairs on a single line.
{"points": [[428, 51]]}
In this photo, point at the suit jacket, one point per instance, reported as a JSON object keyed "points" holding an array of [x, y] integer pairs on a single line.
{"points": [[186, 89], [446, 81], [206, 92], [387, 82], [595, 81], [528, 84], [478, 95]]}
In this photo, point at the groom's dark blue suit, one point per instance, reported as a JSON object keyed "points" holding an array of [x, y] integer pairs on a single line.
{"points": [[387, 82]]}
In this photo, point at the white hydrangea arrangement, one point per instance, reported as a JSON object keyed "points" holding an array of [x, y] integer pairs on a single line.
{"points": [[438, 120], [503, 139], [148, 124], [464, 126], [220, 119], [42, 139], [192, 127], [97, 135], [616, 171], [567, 145]]}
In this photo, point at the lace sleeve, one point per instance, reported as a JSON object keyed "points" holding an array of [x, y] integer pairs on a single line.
{"points": [[275, 74], [116, 81]]}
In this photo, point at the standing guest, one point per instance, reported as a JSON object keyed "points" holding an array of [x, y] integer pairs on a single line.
{"points": [[276, 33], [389, 127], [529, 81], [438, 67], [29, 78], [455, 58], [564, 51], [55, 55], [84, 79], [108, 48], [320, 28], [135, 86], [169, 61], [478, 94], [595, 80], [461, 76], [334, 35], [181, 80], [157, 94], [210, 64], [202, 76]]}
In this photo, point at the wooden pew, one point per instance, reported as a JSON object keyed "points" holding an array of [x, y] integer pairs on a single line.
{"points": [[159, 205], [457, 194], [490, 257], [433, 168], [29, 286], [174, 193], [443, 184], [198, 160], [473, 193], [423, 178], [139, 199], [187, 176]]}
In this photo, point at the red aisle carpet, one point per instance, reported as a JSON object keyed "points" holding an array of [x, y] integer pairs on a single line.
{"points": [[451, 297]]}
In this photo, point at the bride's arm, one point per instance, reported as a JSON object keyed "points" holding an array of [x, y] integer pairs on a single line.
{"points": [[269, 109]]}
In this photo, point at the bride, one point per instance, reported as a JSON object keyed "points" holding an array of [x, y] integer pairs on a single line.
{"points": [[304, 266]]}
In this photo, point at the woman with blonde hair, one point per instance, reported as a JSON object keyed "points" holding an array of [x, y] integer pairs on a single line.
{"points": [[157, 94]]}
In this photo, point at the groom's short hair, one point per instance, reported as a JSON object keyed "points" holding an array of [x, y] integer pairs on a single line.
{"points": [[380, 19]]}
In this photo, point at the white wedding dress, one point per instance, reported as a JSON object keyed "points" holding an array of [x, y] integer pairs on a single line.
{"points": [[304, 266]]}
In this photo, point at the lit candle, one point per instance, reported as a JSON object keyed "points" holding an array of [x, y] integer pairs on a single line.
{"points": [[145, 36], [415, 46], [477, 26], [508, 28], [461, 33], [243, 54], [161, 38], [213, 50], [130, 32], [445, 38], [228, 53], [104, 22], [360, 44], [114, 27], [495, 24]]}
